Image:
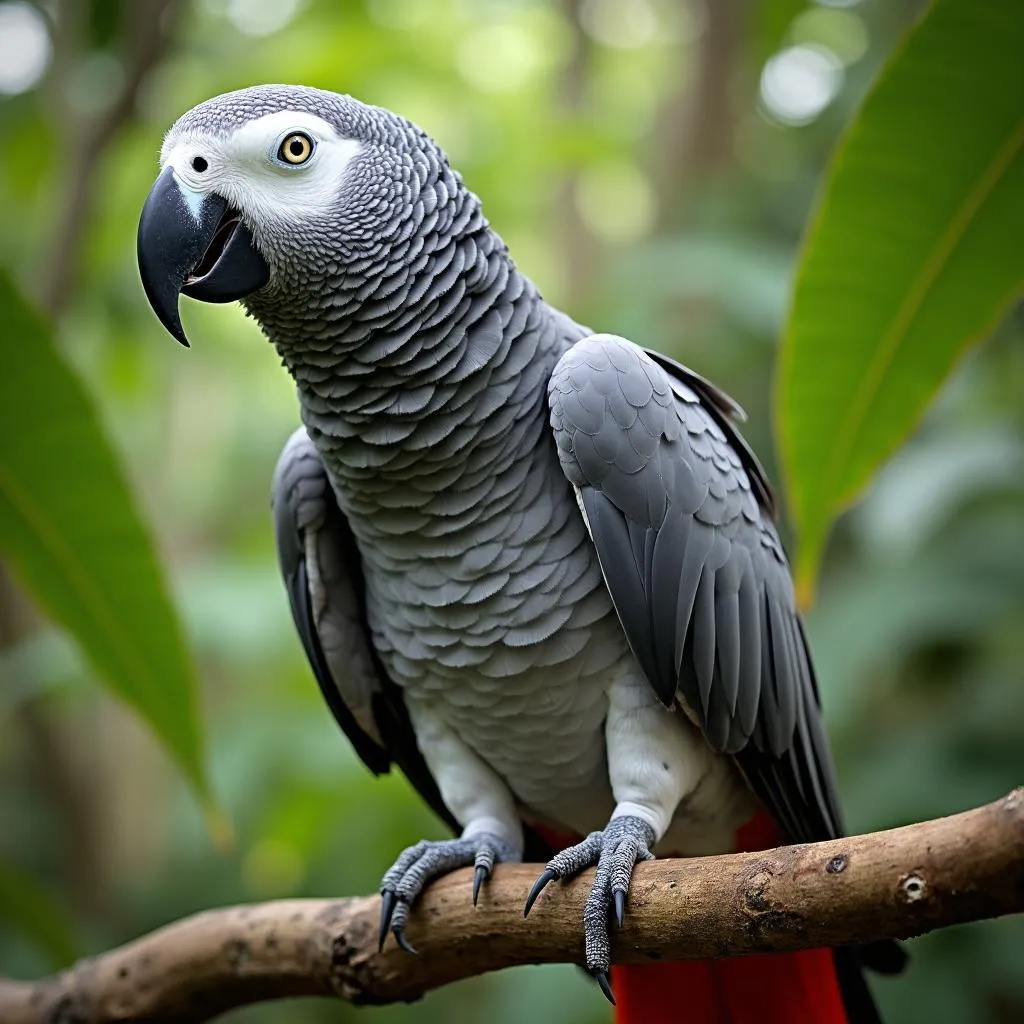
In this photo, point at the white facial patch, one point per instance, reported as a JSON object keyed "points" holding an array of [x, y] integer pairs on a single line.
{"points": [[193, 200], [245, 169]]}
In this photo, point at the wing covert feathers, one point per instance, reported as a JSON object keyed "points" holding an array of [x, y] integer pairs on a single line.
{"points": [[681, 516]]}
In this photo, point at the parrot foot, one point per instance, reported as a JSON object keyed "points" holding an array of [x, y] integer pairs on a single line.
{"points": [[615, 851], [419, 864]]}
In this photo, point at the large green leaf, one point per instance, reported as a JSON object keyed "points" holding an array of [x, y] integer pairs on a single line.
{"points": [[915, 251], [69, 526]]}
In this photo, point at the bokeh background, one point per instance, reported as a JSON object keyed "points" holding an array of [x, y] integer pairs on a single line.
{"points": [[652, 164]]}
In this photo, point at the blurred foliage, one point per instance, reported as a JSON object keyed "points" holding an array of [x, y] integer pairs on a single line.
{"points": [[71, 529], [30, 907], [913, 254], [652, 166]]}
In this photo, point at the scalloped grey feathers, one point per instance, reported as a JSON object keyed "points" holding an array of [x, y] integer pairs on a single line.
{"points": [[678, 509], [429, 535], [323, 577], [442, 531]]}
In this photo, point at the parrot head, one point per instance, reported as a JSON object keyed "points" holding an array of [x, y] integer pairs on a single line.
{"points": [[262, 189]]}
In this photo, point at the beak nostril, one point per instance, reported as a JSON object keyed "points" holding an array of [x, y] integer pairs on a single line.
{"points": [[199, 164]]}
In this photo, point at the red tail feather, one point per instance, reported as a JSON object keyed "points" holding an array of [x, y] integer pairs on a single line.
{"points": [[783, 988]]}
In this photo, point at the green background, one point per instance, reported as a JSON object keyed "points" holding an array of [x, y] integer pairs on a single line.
{"points": [[637, 163]]}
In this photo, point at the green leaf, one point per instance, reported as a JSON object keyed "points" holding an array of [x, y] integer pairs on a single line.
{"points": [[70, 528], [28, 908], [914, 253]]}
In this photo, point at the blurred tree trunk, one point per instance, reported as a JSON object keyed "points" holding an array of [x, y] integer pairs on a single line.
{"points": [[145, 33], [697, 125], [57, 764], [580, 250]]}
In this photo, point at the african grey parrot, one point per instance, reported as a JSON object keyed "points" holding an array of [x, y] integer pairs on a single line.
{"points": [[534, 566]]}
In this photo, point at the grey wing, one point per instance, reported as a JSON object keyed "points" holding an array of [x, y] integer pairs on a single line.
{"points": [[679, 512], [323, 576]]}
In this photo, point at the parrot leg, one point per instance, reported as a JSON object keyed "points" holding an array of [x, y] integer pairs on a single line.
{"points": [[625, 841], [477, 798], [418, 864]]}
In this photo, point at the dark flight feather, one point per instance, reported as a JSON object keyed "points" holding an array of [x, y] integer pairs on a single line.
{"points": [[695, 569]]}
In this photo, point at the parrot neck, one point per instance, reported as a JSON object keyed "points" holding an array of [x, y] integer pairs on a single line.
{"points": [[425, 383]]}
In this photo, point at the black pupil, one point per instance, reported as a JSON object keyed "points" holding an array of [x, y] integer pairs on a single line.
{"points": [[297, 147], [199, 164]]}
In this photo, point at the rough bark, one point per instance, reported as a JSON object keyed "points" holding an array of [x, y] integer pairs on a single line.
{"points": [[893, 884]]}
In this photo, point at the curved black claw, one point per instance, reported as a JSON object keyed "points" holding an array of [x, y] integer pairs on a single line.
{"points": [[480, 875], [601, 977], [416, 866], [399, 934], [388, 902], [615, 851], [545, 876]]}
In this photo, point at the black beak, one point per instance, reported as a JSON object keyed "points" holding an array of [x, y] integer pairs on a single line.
{"points": [[194, 244]]}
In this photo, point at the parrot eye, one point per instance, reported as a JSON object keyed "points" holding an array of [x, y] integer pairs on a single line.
{"points": [[296, 149]]}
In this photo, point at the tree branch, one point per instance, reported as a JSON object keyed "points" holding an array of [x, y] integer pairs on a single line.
{"points": [[893, 884]]}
